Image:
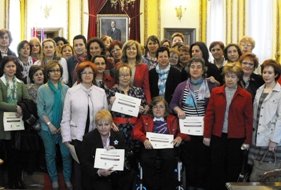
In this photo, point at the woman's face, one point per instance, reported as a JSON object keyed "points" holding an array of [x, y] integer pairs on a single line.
{"points": [[38, 77], [95, 49], [124, 76], [131, 51], [87, 75], [268, 74], [49, 49], [163, 59], [116, 52], [176, 39], [4, 41], [196, 70], [196, 52], [104, 127], [55, 74], [174, 58], [246, 46], [248, 66], [67, 52], [231, 79], [35, 48], [184, 56], [100, 63], [217, 52], [107, 42], [25, 50], [10, 69], [232, 54], [60, 43], [159, 109], [152, 46]]}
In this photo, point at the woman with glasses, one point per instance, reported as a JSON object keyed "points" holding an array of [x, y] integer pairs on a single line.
{"points": [[50, 99], [124, 122], [81, 104], [115, 50], [250, 81]]}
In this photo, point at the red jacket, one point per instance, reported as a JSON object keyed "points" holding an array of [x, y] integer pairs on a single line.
{"points": [[145, 124], [240, 118]]}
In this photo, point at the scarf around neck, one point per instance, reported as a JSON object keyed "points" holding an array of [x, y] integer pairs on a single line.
{"points": [[57, 106], [162, 78], [11, 89]]}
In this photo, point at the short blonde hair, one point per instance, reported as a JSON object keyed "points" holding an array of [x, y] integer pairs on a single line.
{"points": [[128, 44], [103, 115], [247, 39], [234, 67]]}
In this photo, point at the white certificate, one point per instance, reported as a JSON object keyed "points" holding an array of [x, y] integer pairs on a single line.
{"points": [[192, 125], [126, 104], [160, 141], [12, 122], [112, 158]]}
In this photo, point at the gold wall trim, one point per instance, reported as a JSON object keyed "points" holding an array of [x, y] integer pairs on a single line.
{"points": [[68, 20], [82, 16], [240, 19], [7, 13], [229, 21], [159, 19], [145, 20], [277, 54], [23, 19], [203, 20]]}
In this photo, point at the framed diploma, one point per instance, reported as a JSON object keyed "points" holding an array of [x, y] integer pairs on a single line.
{"points": [[126, 104], [12, 122], [192, 125], [160, 141], [112, 158]]}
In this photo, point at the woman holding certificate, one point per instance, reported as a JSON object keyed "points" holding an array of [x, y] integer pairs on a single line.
{"points": [[125, 122], [103, 137], [81, 104], [158, 164], [228, 127], [190, 101], [12, 91], [50, 99]]}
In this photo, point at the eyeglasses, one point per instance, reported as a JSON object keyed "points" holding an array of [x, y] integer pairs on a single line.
{"points": [[55, 70], [248, 63], [158, 107], [87, 73], [246, 45], [124, 76]]}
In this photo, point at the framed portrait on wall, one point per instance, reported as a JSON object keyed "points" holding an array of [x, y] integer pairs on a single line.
{"points": [[189, 34], [114, 25]]}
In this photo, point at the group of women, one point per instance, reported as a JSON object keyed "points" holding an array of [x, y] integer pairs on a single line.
{"points": [[238, 108]]}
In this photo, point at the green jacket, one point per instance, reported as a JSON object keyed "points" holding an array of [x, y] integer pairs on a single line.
{"points": [[6, 107]]}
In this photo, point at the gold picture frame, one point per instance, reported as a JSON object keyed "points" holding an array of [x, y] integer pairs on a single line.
{"points": [[121, 30]]}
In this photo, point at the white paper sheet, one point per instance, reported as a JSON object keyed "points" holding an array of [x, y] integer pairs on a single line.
{"points": [[160, 141], [126, 104], [112, 158]]}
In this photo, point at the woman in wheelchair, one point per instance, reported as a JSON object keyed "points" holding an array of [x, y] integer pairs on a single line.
{"points": [[158, 164]]}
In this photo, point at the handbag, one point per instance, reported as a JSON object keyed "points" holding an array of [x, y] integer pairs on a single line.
{"points": [[260, 168], [244, 174]]}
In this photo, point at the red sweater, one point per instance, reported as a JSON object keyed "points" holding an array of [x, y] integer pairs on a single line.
{"points": [[240, 115], [145, 124]]}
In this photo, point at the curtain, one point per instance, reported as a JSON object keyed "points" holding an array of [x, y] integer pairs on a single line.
{"points": [[95, 7], [134, 17], [260, 28]]}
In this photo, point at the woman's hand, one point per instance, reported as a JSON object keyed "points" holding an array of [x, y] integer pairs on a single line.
{"points": [[112, 99], [141, 109], [104, 172], [114, 127], [146, 109], [19, 111], [177, 141], [213, 80], [272, 146], [207, 141], [110, 147], [147, 144], [180, 113], [53, 129]]}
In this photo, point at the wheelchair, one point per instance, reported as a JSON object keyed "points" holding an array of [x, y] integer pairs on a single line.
{"points": [[179, 172]]}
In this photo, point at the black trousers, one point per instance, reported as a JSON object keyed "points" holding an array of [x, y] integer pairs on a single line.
{"points": [[158, 169], [226, 160], [196, 159]]}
